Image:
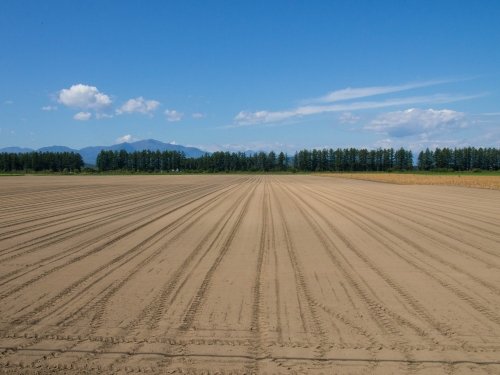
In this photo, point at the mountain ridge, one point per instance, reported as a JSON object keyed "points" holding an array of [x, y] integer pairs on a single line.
{"points": [[89, 153]]}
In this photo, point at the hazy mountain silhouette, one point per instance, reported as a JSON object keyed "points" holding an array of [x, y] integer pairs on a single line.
{"points": [[89, 154]]}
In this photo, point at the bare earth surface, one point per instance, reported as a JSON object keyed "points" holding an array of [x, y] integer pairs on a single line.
{"points": [[247, 274], [480, 181]]}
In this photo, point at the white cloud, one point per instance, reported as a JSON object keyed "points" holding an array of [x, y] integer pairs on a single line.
{"points": [[49, 108], [173, 115], [363, 92], [138, 105], [100, 115], [261, 117], [384, 143], [8, 102], [198, 115], [84, 97], [245, 118], [82, 116], [348, 118], [418, 143], [414, 121], [249, 146], [126, 138]]}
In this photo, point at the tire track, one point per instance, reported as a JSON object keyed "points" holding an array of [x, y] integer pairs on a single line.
{"points": [[259, 326], [132, 212], [433, 228], [99, 306], [414, 200], [108, 343], [386, 320], [422, 210], [389, 324], [200, 295], [97, 201], [100, 247], [313, 323], [387, 206], [416, 306], [54, 237], [188, 221], [423, 250], [368, 225], [52, 223], [149, 318], [431, 217]]}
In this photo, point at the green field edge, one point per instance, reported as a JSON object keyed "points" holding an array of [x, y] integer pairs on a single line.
{"points": [[325, 173]]}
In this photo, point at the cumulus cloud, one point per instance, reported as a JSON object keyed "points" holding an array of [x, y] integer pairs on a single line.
{"points": [[416, 121], [126, 138], [82, 116], [49, 108], [84, 97], [173, 115], [138, 105]]}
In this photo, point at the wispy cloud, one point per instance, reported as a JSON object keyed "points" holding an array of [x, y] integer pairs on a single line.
{"points": [[349, 100], [254, 146], [419, 143], [348, 118], [49, 108], [245, 118], [100, 115], [350, 93], [198, 115]]}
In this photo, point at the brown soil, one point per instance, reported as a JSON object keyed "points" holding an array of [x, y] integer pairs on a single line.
{"points": [[247, 274], [481, 181]]}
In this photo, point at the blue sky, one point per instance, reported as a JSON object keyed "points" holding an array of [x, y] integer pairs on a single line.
{"points": [[239, 75]]}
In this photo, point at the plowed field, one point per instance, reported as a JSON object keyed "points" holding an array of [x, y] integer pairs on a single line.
{"points": [[247, 274]]}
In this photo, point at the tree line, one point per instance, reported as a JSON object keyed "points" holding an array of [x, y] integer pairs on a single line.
{"points": [[170, 161], [353, 159], [305, 160], [459, 159], [315, 160], [40, 161]]}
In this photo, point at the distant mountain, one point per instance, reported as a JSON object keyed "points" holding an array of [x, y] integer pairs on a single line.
{"points": [[89, 154], [17, 150], [57, 149]]}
